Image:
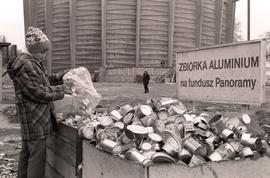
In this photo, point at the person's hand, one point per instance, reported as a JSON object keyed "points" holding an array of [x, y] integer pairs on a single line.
{"points": [[61, 74], [68, 87]]}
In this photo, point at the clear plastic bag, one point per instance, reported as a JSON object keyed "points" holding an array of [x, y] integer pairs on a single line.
{"points": [[79, 79]]}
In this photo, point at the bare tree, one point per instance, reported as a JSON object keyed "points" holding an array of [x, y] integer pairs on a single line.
{"points": [[237, 32]]}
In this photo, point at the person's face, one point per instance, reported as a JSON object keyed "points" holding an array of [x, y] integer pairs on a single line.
{"points": [[41, 56]]}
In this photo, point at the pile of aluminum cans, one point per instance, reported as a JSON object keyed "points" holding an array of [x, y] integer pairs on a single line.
{"points": [[164, 131]]}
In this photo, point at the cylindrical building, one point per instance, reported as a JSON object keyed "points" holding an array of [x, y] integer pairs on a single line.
{"points": [[128, 33]]}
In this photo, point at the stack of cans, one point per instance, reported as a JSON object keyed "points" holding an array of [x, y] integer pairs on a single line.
{"points": [[164, 131]]}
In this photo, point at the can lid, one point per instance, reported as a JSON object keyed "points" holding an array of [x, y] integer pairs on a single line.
{"points": [[155, 137], [146, 146], [146, 110]]}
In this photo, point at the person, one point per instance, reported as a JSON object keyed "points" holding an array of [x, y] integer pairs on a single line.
{"points": [[33, 97], [146, 78]]}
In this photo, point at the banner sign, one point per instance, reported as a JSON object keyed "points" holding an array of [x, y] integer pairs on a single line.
{"points": [[231, 73]]}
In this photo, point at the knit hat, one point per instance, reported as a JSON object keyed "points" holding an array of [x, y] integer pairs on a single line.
{"points": [[36, 40]]}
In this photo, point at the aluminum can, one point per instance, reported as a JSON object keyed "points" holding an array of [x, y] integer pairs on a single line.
{"points": [[116, 115], [124, 110], [163, 114], [196, 160], [184, 155], [110, 146], [246, 152], [135, 155], [194, 146], [223, 152]]}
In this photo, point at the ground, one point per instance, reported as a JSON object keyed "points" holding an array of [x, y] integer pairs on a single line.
{"points": [[117, 94]]}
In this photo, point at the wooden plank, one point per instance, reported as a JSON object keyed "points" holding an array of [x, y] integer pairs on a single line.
{"points": [[61, 166], [72, 26], [199, 6], [51, 172], [103, 32], [219, 17], [63, 147], [171, 32], [68, 132], [48, 22]]}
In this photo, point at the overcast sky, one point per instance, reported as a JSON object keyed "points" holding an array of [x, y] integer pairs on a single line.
{"points": [[11, 19]]}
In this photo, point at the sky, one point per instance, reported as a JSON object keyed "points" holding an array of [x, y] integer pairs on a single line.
{"points": [[12, 21]]}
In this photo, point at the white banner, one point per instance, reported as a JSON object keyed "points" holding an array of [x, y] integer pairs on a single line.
{"points": [[231, 73]]}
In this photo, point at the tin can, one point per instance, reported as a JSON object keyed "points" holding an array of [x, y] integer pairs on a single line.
{"points": [[245, 119], [232, 123], [226, 134], [150, 129], [159, 126], [246, 152], [119, 125], [136, 121], [156, 104], [146, 146], [110, 146], [116, 115], [128, 118], [124, 110], [266, 148], [196, 160], [255, 143], [168, 148], [149, 120], [245, 138], [194, 146], [199, 119], [188, 118], [184, 155], [167, 102], [189, 128], [163, 114], [135, 155], [237, 146], [105, 121], [223, 152], [87, 132], [156, 146], [240, 130], [176, 109], [143, 110], [154, 137]]}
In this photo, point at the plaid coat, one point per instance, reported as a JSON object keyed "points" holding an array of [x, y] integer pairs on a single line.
{"points": [[34, 97]]}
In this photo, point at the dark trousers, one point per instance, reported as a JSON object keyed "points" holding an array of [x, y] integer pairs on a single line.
{"points": [[146, 89], [32, 159]]}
